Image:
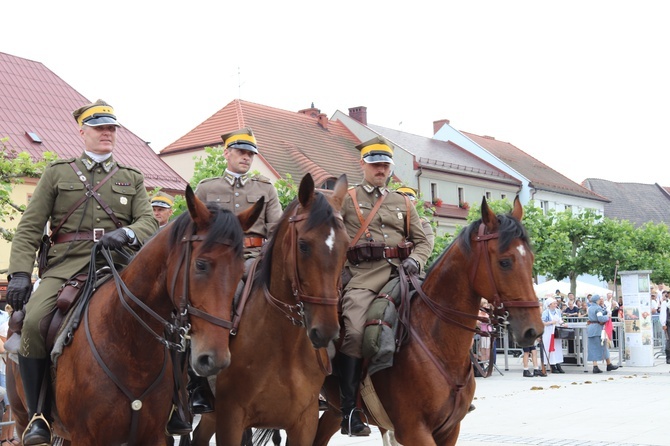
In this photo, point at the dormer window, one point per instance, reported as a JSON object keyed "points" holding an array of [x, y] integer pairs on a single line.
{"points": [[34, 137]]}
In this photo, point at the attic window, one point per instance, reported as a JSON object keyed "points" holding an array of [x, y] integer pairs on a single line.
{"points": [[34, 137]]}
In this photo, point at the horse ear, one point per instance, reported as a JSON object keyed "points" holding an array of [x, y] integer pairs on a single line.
{"points": [[306, 190], [249, 217], [198, 210], [340, 191], [488, 216], [517, 212]]}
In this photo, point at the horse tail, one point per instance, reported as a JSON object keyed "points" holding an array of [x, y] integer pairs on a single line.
{"points": [[263, 436]]}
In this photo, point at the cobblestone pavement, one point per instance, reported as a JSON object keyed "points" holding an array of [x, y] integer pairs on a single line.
{"points": [[625, 407]]}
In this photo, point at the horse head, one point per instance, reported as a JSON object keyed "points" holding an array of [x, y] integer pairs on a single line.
{"points": [[309, 251], [210, 246], [502, 271]]}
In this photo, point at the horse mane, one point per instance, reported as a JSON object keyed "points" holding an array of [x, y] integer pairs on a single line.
{"points": [[509, 228], [321, 212], [224, 228]]}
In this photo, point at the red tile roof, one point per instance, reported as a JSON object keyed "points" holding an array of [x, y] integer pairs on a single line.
{"points": [[34, 99], [541, 176], [291, 142]]}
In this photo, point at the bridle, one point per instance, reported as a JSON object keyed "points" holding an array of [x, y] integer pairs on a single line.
{"points": [[179, 327], [447, 315], [295, 312]]}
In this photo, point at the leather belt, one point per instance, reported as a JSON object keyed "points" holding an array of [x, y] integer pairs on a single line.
{"points": [[252, 241], [93, 236], [391, 252]]}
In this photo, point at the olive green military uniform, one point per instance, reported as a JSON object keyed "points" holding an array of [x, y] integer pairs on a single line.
{"points": [[57, 191], [369, 277], [238, 195]]}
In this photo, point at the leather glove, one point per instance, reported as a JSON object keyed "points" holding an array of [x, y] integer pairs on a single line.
{"points": [[411, 266], [18, 290], [115, 239]]}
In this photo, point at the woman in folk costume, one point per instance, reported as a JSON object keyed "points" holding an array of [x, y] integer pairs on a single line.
{"points": [[598, 345], [553, 346]]}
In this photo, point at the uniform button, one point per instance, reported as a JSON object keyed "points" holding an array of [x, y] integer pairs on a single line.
{"points": [[383, 226], [386, 235], [237, 205], [71, 187], [218, 199], [98, 207], [237, 194], [97, 220], [376, 195]]}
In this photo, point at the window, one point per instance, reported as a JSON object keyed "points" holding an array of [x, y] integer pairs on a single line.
{"points": [[503, 196], [461, 195], [544, 205], [488, 195], [433, 192]]}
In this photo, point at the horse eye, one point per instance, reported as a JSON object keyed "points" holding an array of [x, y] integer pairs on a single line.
{"points": [[505, 263], [303, 246], [201, 265]]}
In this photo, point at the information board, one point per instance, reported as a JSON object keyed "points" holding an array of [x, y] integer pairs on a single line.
{"points": [[639, 334]]}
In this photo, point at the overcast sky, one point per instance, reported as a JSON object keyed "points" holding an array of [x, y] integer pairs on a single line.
{"points": [[583, 86]]}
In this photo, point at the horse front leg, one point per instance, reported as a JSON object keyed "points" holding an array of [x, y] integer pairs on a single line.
{"points": [[329, 423], [230, 427], [205, 429]]}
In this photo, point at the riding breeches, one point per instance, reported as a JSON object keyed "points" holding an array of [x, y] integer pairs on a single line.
{"points": [[355, 304], [41, 303]]}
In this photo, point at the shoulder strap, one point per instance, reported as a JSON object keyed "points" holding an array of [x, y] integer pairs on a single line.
{"points": [[364, 223], [91, 191], [407, 204]]}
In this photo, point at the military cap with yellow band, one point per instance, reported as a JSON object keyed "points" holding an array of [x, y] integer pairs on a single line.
{"points": [[406, 190], [242, 139], [376, 150], [162, 200], [95, 114]]}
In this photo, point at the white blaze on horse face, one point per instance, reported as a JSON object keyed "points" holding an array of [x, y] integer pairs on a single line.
{"points": [[521, 250], [330, 241]]}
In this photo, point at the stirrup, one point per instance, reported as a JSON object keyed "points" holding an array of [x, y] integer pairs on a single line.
{"points": [[366, 423], [39, 416]]}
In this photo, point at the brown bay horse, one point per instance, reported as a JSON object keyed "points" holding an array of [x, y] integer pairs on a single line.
{"points": [[278, 360], [114, 382], [429, 388]]}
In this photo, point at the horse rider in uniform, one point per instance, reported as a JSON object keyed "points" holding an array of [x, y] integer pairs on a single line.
{"points": [[116, 215], [161, 205], [380, 248], [237, 190]]}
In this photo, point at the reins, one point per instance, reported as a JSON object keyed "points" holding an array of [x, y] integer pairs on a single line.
{"points": [[295, 313], [180, 325]]}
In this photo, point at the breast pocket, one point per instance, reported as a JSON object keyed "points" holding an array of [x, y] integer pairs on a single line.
{"points": [[122, 202], [68, 195]]}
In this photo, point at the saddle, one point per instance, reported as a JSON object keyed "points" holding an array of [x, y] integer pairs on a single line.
{"points": [[65, 314]]}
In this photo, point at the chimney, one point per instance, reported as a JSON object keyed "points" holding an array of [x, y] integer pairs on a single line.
{"points": [[322, 119], [312, 111], [437, 125], [360, 114]]}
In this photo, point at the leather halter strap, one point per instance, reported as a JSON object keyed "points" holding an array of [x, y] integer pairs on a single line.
{"points": [[295, 313], [482, 251]]}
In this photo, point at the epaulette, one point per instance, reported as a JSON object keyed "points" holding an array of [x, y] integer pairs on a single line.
{"points": [[135, 169], [207, 180], [63, 161], [261, 178]]}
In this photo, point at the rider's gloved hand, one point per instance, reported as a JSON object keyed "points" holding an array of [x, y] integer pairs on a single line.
{"points": [[115, 239], [18, 290], [411, 266]]}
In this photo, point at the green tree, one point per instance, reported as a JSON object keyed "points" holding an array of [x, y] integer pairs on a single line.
{"points": [[13, 169]]}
